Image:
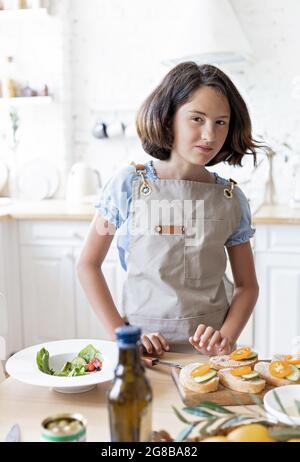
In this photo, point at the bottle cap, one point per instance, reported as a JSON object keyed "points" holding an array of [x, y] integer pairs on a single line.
{"points": [[128, 335]]}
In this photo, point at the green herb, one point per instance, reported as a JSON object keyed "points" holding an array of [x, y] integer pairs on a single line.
{"points": [[184, 433], [42, 360], [284, 433], [218, 423], [214, 407], [180, 416], [14, 118], [198, 412]]}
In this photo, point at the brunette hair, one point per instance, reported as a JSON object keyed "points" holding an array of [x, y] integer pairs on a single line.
{"points": [[155, 116]]}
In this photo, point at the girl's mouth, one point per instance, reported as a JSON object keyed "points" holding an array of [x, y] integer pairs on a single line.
{"points": [[204, 148]]}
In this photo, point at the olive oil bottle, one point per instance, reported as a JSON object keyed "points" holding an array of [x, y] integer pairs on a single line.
{"points": [[130, 396]]}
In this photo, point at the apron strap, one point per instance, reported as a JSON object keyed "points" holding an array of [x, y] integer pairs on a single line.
{"points": [[140, 169], [145, 188], [228, 193]]}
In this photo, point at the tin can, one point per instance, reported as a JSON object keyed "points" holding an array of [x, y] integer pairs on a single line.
{"points": [[64, 428]]}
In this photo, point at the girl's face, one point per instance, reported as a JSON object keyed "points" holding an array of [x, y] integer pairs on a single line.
{"points": [[202, 122]]}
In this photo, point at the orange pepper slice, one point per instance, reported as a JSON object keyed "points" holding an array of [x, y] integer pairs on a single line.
{"points": [[292, 359], [241, 353], [201, 370], [280, 369], [243, 370]]}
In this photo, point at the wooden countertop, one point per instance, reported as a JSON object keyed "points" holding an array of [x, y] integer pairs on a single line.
{"points": [[28, 405], [62, 210], [47, 210], [276, 214]]}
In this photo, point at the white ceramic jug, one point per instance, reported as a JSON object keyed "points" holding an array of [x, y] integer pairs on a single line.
{"points": [[83, 181]]}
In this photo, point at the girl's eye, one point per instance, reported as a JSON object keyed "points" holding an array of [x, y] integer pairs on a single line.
{"points": [[221, 122], [197, 118]]}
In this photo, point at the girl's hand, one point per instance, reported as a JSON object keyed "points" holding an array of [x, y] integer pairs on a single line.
{"points": [[209, 341], [154, 343]]}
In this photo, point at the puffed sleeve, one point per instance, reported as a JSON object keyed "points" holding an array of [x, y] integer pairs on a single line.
{"points": [[244, 232], [116, 195]]}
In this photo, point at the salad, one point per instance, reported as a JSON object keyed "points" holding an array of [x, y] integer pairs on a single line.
{"points": [[88, 360]]}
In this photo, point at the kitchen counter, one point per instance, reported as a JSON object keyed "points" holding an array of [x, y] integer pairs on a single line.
{"points": [[62, 210], [47, 210], [277, 214], [28, 405]]}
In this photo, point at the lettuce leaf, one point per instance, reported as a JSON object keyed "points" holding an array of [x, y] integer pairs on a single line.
{"points": [[88, 353], [42, 360]]}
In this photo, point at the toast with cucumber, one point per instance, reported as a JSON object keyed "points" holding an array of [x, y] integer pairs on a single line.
{"points": [[238, 358], [242, 379], [278, 372], [199, 377]]}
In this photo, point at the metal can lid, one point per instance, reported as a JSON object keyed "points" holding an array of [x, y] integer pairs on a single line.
{"points": [[64, 427]]}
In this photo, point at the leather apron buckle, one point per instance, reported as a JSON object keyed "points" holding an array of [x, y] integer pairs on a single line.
{"points": [[170, 229], [145, 188], [228, 193]]}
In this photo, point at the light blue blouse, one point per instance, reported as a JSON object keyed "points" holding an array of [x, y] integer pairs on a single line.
{"points": [[116, 197]]}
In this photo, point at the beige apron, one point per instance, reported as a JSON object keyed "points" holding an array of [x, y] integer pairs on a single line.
{"points": [[177, 260]]}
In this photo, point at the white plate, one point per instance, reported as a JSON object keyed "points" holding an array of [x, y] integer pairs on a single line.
{"points": [[3, 175], [38, 171], [33, 188], [287, 394], [22, 366]]}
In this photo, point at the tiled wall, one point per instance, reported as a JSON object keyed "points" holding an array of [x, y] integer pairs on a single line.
{"points": [[101, 59]]}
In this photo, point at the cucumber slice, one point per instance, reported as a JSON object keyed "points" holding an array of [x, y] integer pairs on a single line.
{"points": [[204, 378], [251, 376], [295, 375]]}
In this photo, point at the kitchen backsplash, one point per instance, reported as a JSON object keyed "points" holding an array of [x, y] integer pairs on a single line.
{"points": [[96, 69]]}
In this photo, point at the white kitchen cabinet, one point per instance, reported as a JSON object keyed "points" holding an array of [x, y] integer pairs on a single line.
{"points": [[277, 313], [53, 304], [10, 306], [246, 337], [3, 295], [88, 325], [48, 302]]}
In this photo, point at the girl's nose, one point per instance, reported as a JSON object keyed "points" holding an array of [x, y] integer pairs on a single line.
{"points": [[208, 133]]}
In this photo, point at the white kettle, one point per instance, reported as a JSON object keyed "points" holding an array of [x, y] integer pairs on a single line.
{"points": [[83, 183]]}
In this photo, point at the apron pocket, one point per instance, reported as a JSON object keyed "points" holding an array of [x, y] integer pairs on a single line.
{"points": [[204, 252]]}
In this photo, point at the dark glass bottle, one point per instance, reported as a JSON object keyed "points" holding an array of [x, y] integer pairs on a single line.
{"points": [[130, 396]]}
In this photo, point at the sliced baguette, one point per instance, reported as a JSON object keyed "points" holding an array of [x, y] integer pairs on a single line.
{"points": [[240, 385], [221, 362], [187, 381], [263, 368]]}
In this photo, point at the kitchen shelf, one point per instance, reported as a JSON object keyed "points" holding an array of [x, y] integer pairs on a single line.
{"points": [[28, 13], [21, 101]]}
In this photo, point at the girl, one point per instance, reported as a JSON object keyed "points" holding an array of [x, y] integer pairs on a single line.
{"points": [[175, 287]]}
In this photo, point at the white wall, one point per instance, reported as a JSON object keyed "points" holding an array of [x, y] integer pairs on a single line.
{"points": [[100, 59], [39, 48]]}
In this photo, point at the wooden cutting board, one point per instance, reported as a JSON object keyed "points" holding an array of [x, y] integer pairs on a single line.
{"points": [[223, 396]]}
